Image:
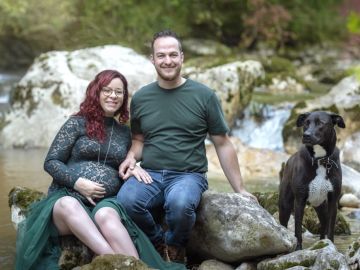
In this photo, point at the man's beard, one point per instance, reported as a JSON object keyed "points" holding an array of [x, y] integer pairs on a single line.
{"points": [[171, 77]]}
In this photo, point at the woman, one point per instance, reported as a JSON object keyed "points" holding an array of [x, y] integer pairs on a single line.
{"points": [[83, 161]]}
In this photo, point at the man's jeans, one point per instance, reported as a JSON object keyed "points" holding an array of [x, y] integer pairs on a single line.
{"points": [[179, 194]]}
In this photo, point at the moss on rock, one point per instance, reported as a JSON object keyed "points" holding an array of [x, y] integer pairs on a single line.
{"points": [[118, 261], [311, 222], [268, 200], [22, 96], [318, 245], [23, 197]]}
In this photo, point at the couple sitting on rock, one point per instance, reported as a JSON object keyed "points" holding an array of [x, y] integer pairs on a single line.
{"points": [[94, 153]]}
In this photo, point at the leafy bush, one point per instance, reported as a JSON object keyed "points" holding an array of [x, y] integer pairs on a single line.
{"points": [[28, 27]]}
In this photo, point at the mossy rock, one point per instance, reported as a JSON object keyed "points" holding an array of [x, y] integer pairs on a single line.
{"points": [[327, 72], [23, 197], [206, 62], [278, 64], [73, 253], [354, 114], [353, 248], [23, 96], [113, 262], [319, 245], [277, 67], [268, 200], [311, 222]]}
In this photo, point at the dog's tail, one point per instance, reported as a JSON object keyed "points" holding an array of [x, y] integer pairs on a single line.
{"points": [[281, 173]]}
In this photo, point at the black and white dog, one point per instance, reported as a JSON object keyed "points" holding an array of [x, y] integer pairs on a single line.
{"points": [[313, 174]]}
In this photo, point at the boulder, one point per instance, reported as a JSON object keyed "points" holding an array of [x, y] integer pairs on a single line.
{"points": [[352, 255], [114, 262], [54, 86], [204, 47], [246, 266], [349, 200], [269, 200], [229, 227], [322, 255], [214, 265], [350, 180], [232, 228], [19, 200], [350, 152]]}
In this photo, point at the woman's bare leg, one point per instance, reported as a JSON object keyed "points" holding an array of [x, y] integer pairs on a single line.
{"points": [[114, 232], [71, 218]]}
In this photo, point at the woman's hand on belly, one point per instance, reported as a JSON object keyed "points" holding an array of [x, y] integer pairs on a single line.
{"points": [[89, 189]]}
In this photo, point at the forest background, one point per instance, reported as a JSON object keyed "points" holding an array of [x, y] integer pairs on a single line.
{"points": [[30, 27]]}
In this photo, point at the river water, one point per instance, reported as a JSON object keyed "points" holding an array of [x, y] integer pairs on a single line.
{"points": [[17, 168]]}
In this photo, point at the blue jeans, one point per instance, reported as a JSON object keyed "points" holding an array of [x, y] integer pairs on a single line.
{"points": [[178, 193]]}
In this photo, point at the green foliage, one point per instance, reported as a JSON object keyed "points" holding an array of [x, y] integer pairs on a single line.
{"points": [[127, 22], [29, 27], [266, 22], [353, 23], [314, 21], [354, 71]]}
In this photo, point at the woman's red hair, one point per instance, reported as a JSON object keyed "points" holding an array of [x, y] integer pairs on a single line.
{"points": [[91, 109]]}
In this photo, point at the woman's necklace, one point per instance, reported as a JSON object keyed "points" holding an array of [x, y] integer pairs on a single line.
{"points": [[107, 151]]}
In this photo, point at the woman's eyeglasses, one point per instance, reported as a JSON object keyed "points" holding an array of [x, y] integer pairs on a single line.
{"points": [[108, 91]]}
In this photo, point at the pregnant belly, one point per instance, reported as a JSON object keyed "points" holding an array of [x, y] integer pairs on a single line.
{"points": [[101, 174]]}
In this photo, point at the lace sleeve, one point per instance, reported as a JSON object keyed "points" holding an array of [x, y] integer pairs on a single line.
{"points": [[60, 152]]}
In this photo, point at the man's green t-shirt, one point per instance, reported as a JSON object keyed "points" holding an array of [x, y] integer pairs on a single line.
{"points": [[174, 123]]}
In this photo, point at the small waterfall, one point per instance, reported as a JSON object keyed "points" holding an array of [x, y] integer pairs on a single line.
{"points": [[7, 83], [262, 125]]}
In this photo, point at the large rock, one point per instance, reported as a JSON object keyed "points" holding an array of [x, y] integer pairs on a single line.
{"points": [[214, 265], [206, 47], [233, 83], [231, 228], [19, 200], [352, 255], [269, 200], [229, 225], [350, 180], [322, 255], [54, 86], [114, 262], [350, 153]]}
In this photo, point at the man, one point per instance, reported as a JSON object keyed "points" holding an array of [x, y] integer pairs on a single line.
{"points": [[170, 119]]}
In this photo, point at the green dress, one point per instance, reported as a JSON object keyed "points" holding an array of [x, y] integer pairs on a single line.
{"points": [[71, 155]]}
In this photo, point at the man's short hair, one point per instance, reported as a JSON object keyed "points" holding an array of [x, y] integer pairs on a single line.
{"points": [[165, 33]]}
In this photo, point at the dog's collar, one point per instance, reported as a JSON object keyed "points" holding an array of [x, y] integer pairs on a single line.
{"points": [[326, 161]]}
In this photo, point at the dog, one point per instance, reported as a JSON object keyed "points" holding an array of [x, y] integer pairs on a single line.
{"points": [[313, 174]]}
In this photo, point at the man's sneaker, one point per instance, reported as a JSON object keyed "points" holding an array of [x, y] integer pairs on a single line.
{"points": [[161, 249], [176, 254]]}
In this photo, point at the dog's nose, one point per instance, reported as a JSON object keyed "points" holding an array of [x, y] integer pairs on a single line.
{"points": [[306, 137]]}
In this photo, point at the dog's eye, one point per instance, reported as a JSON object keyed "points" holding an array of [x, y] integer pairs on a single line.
{"points": [[319, 123]]}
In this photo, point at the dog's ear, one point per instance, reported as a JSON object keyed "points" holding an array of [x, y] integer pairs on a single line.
{"points": [[301, 119], [338, 120]]}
